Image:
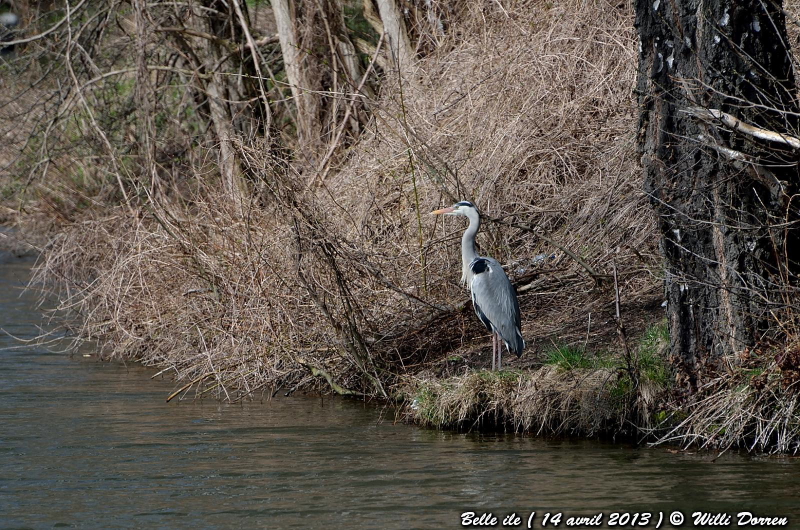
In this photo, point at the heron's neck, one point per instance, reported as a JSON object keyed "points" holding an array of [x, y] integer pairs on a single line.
{"points": [[468, 252]]}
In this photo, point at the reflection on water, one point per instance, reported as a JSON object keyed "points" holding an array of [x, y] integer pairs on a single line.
{"points": [[94, 444]]}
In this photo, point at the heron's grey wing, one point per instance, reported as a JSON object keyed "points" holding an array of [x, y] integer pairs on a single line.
{"points": [[495, 301], [481, 315]]}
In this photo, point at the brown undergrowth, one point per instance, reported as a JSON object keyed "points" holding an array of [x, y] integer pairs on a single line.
{"points": [[753, 405], [526, 111]]}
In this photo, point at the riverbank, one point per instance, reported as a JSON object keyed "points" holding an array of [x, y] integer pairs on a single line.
{"points": [[101, 435], [349, 281], [571, 381]]}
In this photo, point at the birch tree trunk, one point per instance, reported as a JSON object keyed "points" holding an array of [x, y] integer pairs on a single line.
{"points": [[323, 71], [401, 52], [308, 123]]}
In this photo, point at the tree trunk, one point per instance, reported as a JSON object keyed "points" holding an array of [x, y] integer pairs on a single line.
{"points": [[401, 53], [223, 94], [323, 71], [143, 89], [229, 167], [722, 195], [298, 83], [144, 99]]}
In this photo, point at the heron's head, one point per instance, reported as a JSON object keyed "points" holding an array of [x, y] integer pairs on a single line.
{"points": [[463, 208], [8, 20]]}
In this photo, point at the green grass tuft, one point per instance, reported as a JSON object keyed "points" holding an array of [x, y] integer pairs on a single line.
{"points": [[652, 364], [567, 357]]}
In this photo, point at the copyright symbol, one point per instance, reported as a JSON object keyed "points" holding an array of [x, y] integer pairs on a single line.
{"points": [[676, 518]]}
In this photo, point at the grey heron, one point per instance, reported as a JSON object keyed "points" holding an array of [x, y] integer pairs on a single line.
{"points": [[493, 296], [8, 24]]}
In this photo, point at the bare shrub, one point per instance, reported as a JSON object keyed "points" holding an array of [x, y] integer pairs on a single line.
{"points": [[529, 114], [340, 280]]}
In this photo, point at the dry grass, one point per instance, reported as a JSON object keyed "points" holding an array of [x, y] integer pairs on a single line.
{"points": [[528, 111], [543, 401], [196, 298], [531, 117], [575, 392], [754, 406]]}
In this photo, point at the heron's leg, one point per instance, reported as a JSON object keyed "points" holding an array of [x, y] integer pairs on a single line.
{"points": [[499, 353], [494, 348]]}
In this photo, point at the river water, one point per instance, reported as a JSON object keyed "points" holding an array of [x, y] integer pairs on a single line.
{"points": [[93, 444]]}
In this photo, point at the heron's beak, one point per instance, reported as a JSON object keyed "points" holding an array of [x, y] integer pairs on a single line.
{"points": [[449, 209]]}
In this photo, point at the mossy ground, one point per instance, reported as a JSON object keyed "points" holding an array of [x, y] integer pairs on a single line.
{"points": [[573, 391]]}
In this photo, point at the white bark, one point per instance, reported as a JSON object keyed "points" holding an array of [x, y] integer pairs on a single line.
{"points": [[306, 101], [228, 163], [289, 48], [401, 52], [738, 125]]}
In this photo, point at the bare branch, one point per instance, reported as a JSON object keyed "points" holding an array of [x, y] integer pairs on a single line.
{"points": [[57, 25], [738, 125]]}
